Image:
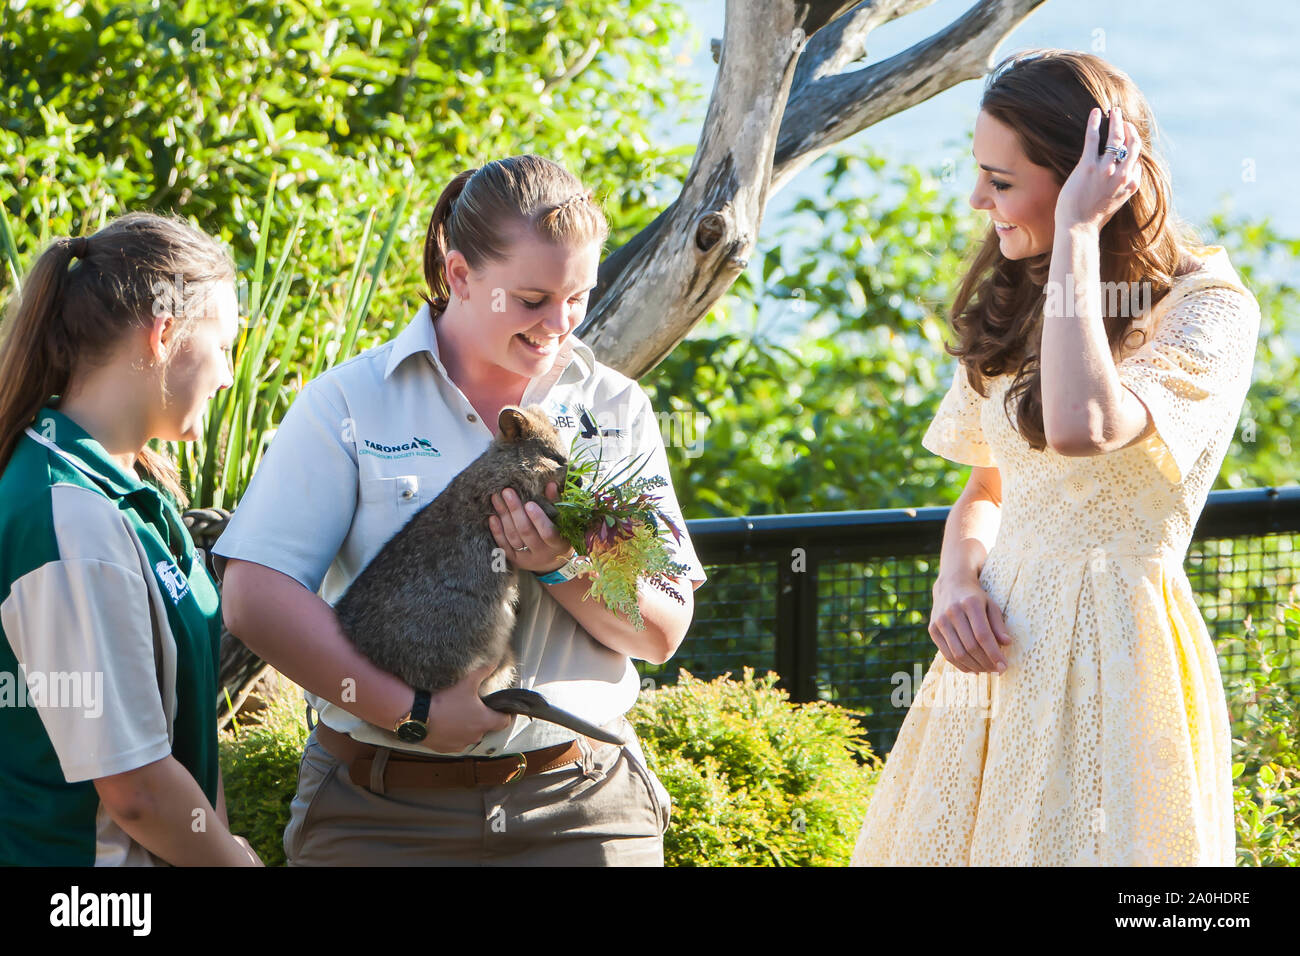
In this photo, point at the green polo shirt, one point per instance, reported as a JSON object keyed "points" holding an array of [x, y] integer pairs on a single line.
{"points": [[110, 631]]}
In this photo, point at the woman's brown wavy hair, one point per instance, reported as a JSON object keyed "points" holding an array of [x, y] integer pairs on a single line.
{"points": [[1045, 96]]}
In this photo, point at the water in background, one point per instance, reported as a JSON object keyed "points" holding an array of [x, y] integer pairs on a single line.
{"points": [[1221, 80]]}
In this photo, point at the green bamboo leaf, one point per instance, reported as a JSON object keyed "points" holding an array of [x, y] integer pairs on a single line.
{"points": [[11, 252], [345, 351], [263, 237], [276, 382]]}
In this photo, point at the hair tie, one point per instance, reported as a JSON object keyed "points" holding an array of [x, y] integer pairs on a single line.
{"points": [[578, 197], [80, 246]]}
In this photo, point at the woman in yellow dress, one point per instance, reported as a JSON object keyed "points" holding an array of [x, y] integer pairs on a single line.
{"points": [[1075, 713]]}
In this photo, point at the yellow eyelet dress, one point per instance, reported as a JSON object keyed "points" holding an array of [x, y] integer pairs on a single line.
{"points": [[1106, 741]]}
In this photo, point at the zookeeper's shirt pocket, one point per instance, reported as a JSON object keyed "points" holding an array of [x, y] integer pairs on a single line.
{"points": [[387, 503]]}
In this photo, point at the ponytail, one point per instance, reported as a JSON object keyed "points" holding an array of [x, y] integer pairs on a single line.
{"points": [[35, 354], [435, 244], [69, 316]]}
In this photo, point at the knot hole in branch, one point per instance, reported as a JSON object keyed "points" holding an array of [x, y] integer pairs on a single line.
{"points": [[712, 227]]}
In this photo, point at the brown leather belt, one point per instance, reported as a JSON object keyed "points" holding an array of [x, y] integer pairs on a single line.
{"points": [[380, 768]]}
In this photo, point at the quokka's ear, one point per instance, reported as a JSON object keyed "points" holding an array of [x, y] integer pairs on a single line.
{"points": [[513, 423]]}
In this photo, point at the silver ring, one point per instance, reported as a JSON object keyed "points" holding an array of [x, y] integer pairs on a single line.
{"points": [[524, 548], [1119, 151]]}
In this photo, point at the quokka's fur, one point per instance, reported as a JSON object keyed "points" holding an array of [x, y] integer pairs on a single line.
{"points": [[437, 602]]}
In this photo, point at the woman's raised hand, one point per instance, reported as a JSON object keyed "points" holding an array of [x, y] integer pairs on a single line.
{"points": [[967, 626], [1102, 182]]}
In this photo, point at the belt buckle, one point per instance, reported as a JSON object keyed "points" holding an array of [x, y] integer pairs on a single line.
{"points": [[519, 770]]}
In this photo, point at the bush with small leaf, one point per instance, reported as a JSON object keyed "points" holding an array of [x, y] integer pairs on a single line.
{"points": [[259, 766], [755, 779], [1266, 767]]}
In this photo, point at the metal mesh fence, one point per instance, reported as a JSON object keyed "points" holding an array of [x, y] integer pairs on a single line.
{"points": [[858, 637], [734, 626]]}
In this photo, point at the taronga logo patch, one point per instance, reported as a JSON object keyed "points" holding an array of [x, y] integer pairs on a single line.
{"points": [[172, 579], [421, 447]]}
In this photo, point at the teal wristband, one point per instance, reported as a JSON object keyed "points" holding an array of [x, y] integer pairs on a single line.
{"points": [[566, 572]]}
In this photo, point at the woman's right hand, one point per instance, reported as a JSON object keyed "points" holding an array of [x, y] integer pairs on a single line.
{"points": [[967, 625], [458, 718]]}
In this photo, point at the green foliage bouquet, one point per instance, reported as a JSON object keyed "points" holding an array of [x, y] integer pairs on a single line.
{"points": [[614, 521]]}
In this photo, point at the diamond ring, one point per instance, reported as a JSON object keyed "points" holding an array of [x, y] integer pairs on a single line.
{"points": [[1119, 151]]}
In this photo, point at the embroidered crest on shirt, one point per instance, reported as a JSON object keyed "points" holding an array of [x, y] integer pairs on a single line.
{"points": [[421, 447], [172, 579], [581, 418]]}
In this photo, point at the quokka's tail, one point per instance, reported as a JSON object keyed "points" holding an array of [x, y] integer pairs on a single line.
{"points": [[517, 700]]}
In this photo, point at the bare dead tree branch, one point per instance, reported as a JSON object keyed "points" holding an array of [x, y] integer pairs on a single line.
{"points": [[653, 290], [704, 239], [830, 109]]}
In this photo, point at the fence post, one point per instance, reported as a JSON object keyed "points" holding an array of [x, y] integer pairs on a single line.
{"points": [[796, 628]]}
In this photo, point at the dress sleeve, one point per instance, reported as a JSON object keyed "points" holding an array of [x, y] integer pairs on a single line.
{"points": [[1193, 372], [956, 432], [299, 506]]}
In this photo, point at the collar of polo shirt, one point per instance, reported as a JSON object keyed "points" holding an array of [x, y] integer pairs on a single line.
{"points": [[575, 358], [75, 444]]}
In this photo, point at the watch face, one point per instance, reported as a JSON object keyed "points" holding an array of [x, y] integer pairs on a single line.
{"points": [[412, 731]]}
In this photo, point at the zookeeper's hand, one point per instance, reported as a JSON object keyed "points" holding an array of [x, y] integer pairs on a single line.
{"points": [[458, 718], [967, 626], [529, 538], [1101, 183]]}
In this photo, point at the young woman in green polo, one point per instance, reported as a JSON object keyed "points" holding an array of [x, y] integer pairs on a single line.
{"points": [[109, 621]]}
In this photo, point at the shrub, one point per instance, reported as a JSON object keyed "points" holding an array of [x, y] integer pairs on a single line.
{"points": [[259, 765], [1267, 764], [758, 781], [755, 779]]}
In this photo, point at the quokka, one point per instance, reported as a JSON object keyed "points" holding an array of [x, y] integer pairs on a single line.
{"points": [[439, 600]]}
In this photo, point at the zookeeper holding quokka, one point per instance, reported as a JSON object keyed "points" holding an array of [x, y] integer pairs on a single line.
{"points": [[510, 257]]}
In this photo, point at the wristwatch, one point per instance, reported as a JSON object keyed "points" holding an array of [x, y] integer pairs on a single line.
{"points": [[570, 570], [414, 727]]}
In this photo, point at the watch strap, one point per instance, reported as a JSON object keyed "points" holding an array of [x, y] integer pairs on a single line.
{"points": [[414, 727], [420, 709]]}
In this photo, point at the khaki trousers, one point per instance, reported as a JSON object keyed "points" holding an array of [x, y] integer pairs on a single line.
{"points": [[605, 809]]}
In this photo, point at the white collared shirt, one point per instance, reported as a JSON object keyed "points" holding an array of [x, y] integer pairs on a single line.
{"points": [[370, 442]]}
